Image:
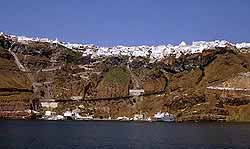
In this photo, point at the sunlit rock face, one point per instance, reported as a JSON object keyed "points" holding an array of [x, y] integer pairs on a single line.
{"points": [[190, 81]]}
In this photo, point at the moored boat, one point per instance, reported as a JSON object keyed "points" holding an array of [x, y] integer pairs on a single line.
{"points": [[164, 116]]}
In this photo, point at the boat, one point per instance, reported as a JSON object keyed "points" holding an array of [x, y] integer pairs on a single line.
{"points": [[122, 118], [79, 117], [164, 117]]}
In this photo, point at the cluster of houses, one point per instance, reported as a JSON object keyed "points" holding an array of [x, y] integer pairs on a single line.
{"points": [[153, 52], [67, 115], [137, 117], [75, 115]]}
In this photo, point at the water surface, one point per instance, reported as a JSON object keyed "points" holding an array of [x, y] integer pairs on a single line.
{"points": [[109, 134]]}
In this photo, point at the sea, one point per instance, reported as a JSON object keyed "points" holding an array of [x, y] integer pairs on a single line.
{"points": [[18, 134]]}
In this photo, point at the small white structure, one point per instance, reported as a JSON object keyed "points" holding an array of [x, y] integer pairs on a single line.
{"points": [[81, 106], [76, 111], [76, 97], [28, 111], [23, 38], [31, 111], [78, 116], [136, 92], [56, 41], [227, 88], [47, 113], [44, 40], [149, 119], [49, 104], [68, 114], [59, 117], [122, 118], [138, 117], [87, 117]]}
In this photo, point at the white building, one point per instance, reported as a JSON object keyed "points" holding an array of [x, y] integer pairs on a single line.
{"points": [[59, 117], [68, 114], [49, 104], [138, 117], [23, 38], [136, 92], [44, 40], [47, 113], [76, 97]]}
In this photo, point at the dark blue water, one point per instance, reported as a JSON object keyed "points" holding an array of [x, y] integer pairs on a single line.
{"points": [[100, 134]]}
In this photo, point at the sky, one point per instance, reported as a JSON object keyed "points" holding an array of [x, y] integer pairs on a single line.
{"points": [[128, 22]]}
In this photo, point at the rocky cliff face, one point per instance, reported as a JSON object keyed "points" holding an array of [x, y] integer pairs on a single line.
{"points": [[211, 84], [15, 88]]}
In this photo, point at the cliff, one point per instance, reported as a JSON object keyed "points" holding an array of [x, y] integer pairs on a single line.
{"points": [[204, 81]]}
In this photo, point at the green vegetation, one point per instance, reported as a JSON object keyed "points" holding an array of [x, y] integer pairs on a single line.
{"points": [[117, 75], [73, 53], [72, 56], [37, 45]]}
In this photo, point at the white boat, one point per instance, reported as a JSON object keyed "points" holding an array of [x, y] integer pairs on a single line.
{"points": [[122, 118], [89, 117], [77, 116], [164, 116]]}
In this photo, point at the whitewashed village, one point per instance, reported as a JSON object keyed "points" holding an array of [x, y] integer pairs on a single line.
{"points": [[75, 114]]}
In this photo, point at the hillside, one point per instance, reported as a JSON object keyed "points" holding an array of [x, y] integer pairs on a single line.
{"points": [[205, 81]]}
